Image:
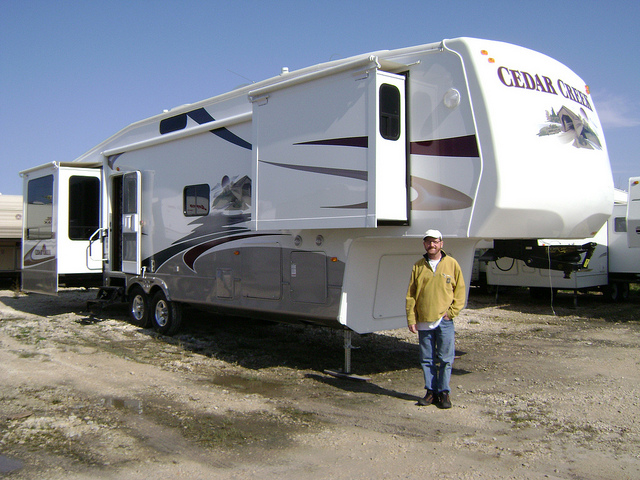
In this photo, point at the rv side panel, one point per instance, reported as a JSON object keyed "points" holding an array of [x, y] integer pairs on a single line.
{"points": [[10, 234], [633, 213]]}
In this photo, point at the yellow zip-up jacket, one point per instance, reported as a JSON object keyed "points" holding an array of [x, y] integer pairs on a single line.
{"points": [[432, 294]]}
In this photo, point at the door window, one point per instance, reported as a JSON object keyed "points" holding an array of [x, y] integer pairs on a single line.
{"points": [[40, 208]]}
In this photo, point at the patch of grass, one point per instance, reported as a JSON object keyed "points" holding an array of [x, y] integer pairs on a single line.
{"points": [[298, 416]]}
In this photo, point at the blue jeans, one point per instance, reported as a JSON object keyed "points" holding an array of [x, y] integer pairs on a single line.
{"points": [[437, 345]]}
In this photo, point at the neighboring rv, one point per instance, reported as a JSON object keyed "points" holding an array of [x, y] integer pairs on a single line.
{"points": [[610, 264], [10, 234], [305, 197]]}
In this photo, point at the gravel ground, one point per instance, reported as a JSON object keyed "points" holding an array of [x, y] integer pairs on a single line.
{"points": [[540, 390]]}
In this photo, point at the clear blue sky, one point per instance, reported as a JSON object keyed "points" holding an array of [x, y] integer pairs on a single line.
{"points": [[72, 73]]}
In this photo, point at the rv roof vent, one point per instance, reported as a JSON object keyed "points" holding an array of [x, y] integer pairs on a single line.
{"points": [[284, 70]]}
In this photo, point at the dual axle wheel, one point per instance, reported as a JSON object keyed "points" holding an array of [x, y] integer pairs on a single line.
{"points": [[157, 312]]}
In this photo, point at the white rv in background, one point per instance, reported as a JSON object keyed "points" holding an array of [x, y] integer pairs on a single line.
{"points": [[610, 265], [305, 197], [10, 234]]}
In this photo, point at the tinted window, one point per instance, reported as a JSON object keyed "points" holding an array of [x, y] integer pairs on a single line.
{"points": [[196, 200], [620, 224], [389, 112], [40, 208], [173, 124], [130, 196]]}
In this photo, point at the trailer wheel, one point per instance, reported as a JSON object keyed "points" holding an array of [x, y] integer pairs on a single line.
{"points": [[139, 307], [166, 316], [623, 291], [612, 292], [617, 292]]}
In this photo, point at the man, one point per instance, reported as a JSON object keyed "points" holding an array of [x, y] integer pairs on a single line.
{"points": [[435, 296]]}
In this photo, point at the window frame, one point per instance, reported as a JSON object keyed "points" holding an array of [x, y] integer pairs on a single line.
{"points": [[201, 190], [390, 111]]}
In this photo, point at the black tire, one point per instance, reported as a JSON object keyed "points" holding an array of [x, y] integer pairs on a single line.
{"points": [[166, 316], [612, 292], [139, 307], [624, 290]]}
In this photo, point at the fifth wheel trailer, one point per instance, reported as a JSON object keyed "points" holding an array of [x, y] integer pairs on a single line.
{"points": [[10, 234], [305, 197], [613, 264]]}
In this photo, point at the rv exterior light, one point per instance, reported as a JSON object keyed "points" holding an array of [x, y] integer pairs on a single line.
{"points": [[297, 241], [452, 98], [319, 240]]}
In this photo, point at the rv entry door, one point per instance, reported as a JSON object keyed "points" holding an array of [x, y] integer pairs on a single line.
{"points": [[130, 222]]}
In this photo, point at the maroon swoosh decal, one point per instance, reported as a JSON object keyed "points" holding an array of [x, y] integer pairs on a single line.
{"points": [[340, 172], [192, 254], [340, 142], [354, 206], [447, 147]]}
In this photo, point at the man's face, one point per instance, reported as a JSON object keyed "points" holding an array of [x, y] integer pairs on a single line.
{"points": [[432, 246]]}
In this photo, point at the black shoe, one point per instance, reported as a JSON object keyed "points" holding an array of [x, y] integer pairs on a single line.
{"points": [[443, 400], [427, 400]]}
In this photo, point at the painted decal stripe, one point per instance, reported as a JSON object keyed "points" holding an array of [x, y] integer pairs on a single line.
{"points": [[447, 147], [200, 116], [338, 172], [340, 142], [362, 205], [433, 196], [194, 253], [161, 257]]}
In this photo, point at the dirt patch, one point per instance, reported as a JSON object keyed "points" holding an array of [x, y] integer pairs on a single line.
{"points": [[540, 390]]}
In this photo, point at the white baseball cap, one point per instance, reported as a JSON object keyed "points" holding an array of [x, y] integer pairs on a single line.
{"points": [[432, 233]]}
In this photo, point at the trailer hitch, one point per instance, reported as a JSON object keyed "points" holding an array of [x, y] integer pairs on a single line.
{"points": [[564, 258]]}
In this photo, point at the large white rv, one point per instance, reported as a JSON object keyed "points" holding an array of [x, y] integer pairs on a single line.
{"points": [[10, 234], [305, 197], [609, 263]]}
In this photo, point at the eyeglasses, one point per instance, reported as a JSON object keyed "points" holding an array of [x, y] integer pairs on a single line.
{"points": [[434, 241]]}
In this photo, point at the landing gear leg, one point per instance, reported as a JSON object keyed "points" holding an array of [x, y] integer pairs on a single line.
{"points": [[346, 372]]}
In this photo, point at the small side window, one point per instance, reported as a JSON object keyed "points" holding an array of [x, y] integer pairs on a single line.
{"points": [[620, 224], [196, 200], [39, 221], [173, 124], [389, 112]]}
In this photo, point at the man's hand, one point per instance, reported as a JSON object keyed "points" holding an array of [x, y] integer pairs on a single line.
{"points": [[413, 328]]}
